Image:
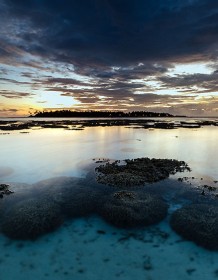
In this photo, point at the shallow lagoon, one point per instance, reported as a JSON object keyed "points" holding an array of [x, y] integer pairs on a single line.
{"points": [[46, 153], [88, 248]]}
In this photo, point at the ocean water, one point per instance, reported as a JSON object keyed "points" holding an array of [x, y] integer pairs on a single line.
{"points": [[89, 248]]}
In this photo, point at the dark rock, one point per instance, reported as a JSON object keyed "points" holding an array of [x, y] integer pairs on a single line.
{"points": [[31, 218], [8, 192], [132, 209], [101, 231], [203, 192], [4, 190], [210, 188], [15, 126], [147, 264], [198, 223], [164, 125], [4, 187]]}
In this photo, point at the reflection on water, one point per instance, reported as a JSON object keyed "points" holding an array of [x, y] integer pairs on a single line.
{"points": [[5, 171], [48, 153], [89, 248]]}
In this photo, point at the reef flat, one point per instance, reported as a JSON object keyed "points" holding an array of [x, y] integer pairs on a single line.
{"points": [[80, 124], [138, 171]]}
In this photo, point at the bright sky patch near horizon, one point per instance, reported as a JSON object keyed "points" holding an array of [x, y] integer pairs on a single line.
{"points": [[150, 55]]}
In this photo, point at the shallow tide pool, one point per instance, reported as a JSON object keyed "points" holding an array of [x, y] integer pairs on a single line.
{"points": [[89, 248]]}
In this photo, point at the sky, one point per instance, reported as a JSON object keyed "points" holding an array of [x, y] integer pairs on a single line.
{"points": [[150, 55]]}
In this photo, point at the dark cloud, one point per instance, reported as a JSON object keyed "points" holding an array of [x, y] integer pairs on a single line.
{"points": [[60, 81], [115, 48], [138, 71], [119, 97], [198, 83], [111, 32], [94, 35], [117, 91], [8, 110], [14, 94], [15, 82], [203, 107], [111, 88], [27, 74], [3, 71]]}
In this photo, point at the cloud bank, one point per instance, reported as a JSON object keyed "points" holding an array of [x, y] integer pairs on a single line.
{"points": [[117, 54]]}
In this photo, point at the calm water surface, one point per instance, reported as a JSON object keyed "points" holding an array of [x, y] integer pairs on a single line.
{"points": [[46, 153], [77, 250]]}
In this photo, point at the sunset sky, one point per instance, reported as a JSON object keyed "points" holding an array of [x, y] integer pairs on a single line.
{"points": [[150, 55]]}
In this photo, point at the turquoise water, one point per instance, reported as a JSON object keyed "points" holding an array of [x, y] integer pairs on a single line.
{"points": [[77, 251], [89, 248]]}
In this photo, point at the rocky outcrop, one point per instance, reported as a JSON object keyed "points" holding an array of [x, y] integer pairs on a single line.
{"points": [[198, 223], [4, 190], [131, 209]]}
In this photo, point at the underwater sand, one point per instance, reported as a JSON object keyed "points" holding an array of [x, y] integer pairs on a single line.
{"points": [[91, 249]]}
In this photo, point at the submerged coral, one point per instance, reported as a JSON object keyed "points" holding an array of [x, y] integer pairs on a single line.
{"points": [[31, 218], [198, 223], [80, 201], [56, 188], [132, 209], [73, 196]]}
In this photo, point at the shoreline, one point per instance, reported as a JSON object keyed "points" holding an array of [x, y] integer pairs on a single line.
{"points": [[79, 124]]}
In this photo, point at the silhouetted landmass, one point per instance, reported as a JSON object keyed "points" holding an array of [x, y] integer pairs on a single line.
{"points": [[97, 114]]}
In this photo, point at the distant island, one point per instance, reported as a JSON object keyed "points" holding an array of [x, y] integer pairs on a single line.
{"points": [[98, 114]]}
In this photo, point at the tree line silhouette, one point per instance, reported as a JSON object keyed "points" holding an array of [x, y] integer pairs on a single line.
{"points": [[96, 114]]}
